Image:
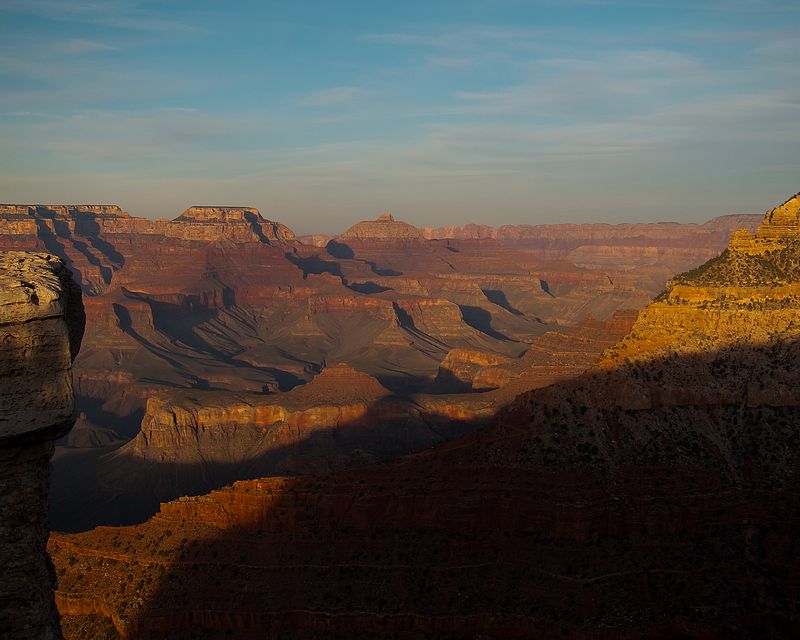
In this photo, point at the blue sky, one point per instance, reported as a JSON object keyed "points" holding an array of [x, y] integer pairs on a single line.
{"points": [[446, 112]]}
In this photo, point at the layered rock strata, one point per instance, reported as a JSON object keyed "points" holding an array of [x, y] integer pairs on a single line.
{"points": [[220, 308], [655, 496], [385, 227], [41, 325]]}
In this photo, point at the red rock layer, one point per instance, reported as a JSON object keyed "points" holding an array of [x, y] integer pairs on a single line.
{"points": [[655, 496], [218, 313], [589, 510]]}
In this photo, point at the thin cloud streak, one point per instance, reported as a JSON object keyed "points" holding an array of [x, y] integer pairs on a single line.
{"points": [[80, 46], [332, 96]]}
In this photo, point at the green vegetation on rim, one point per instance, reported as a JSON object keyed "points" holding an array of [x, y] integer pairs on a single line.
{"points": [[734, 268]]}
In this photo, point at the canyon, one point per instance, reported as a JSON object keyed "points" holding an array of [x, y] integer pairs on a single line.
{"points": [[652, 495], [203, 332]]}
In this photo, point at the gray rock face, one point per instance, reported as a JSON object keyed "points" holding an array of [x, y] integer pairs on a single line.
{"points": [[41, 325]]}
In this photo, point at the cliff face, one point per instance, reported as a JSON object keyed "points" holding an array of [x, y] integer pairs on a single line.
{"points": [[41, 325], [219, 316], [94, 240], [654, 496], [749, 294]]}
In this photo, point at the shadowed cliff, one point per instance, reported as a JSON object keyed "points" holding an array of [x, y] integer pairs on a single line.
{"points": [[654, 496], [612, 506], [41, 326]]}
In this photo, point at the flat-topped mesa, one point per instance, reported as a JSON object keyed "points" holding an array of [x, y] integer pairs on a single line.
{"points": [[385, 227], [61, 210], [203, 224], [237, 224], [339, 384], [55, 219], [220, 214], [180, 428], [41, 326]]}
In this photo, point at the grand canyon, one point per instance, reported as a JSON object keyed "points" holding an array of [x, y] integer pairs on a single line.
{"points": [[453, 320], [668, 470], [220, 347], [403, 432]]}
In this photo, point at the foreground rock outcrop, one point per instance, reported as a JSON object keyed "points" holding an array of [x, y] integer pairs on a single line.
{"points": [[41, 325], [654, 496]]}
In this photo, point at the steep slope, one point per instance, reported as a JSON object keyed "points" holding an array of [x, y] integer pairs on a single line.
{"points": [[654, 496]]}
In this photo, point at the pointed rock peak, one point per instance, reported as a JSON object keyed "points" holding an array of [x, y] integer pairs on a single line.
{"points": [[782, 223], [386, 217], [786, 214], [340, 370]]}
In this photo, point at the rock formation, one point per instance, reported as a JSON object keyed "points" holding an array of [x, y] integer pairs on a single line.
{"points": [[220, 317], [384, 227], [220, 308], [41, 325], [654, 496]]}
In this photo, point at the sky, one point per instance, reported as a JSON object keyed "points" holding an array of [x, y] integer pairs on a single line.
{"points": [[322, 113]]}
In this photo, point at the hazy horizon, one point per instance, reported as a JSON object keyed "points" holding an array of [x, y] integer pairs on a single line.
{"points": [[304, 231], [323, 114]]}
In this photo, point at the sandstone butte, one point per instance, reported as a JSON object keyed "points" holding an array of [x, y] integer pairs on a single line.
{"points": [[385, 227], [41, 324], [190, 443], [653, 496]]}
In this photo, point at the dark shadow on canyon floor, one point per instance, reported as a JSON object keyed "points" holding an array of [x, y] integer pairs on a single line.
{"points": [[584, 511], [112, 486]]}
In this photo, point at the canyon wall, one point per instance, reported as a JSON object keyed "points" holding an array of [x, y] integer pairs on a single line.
{"points": [[203, 330], [41, 326], [653, 496]]}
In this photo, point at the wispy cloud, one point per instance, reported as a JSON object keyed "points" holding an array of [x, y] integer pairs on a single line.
{"points": [[528, 103], [130, 15], [79, 46], [462, 38], [620, 81], [332, 96], [450, 62]]}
